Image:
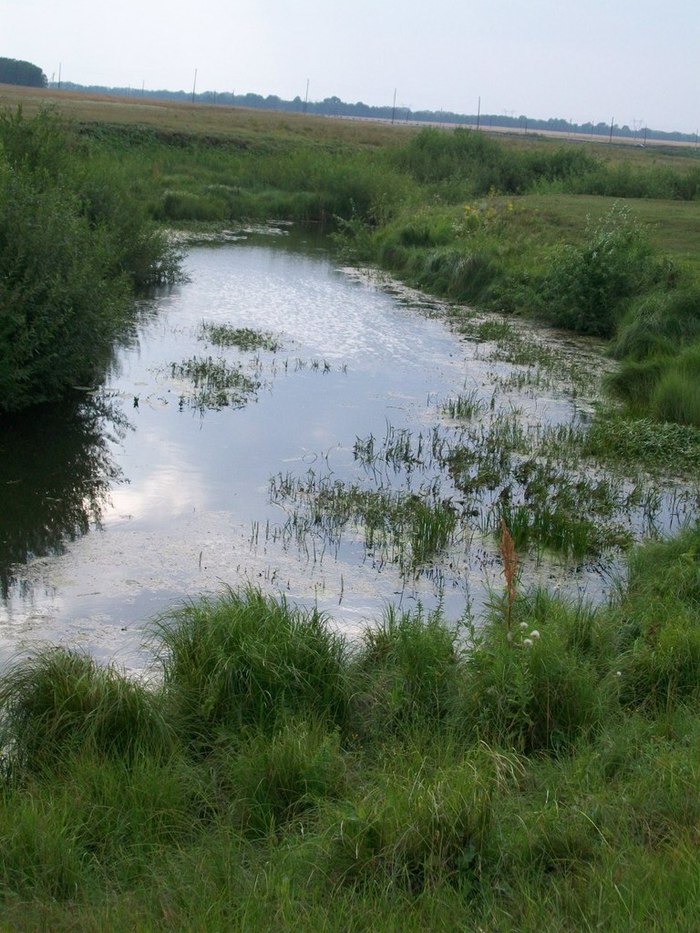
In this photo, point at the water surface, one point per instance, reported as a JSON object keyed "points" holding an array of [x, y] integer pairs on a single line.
{"points": [[144, 496]]}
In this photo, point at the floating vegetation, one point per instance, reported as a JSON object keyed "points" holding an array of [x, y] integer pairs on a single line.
{"points": [[244, 338], [406, 528], [216, 383], [401, 450]]}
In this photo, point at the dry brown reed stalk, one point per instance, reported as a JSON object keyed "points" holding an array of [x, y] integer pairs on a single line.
{"points": [[510, 569]]}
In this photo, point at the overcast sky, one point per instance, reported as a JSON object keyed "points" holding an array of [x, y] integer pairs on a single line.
{"points": [[637, 61]]}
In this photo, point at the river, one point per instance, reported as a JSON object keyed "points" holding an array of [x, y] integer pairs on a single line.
{"points": [[156, 489]]}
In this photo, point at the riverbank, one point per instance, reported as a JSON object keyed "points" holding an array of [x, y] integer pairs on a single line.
{"points": [[541, 775]]}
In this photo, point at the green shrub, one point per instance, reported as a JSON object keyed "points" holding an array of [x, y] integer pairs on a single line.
{"points": [[60, 302], [588, 287], [74, 244]]}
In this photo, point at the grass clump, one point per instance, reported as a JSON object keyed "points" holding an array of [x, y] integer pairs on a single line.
{"points": [[244, 338], [405, 672], [60, 702], [272, 780], [539, 770], [246, 661]]}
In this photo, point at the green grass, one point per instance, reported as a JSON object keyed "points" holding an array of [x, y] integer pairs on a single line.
{"points": [[533, 771], [215, 383], [244, 338]]}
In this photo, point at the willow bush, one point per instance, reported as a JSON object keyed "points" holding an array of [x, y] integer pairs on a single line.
{"points": [[74, 247]]}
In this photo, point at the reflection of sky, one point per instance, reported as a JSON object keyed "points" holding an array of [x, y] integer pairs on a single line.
{"points": [[193, 512]]}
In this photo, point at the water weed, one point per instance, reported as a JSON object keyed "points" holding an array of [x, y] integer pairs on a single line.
{"points": [[216, 383], [244, 338]]}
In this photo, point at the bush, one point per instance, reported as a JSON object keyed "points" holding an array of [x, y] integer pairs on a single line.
{"points": [[588, 287], [61, 303], [73, 247]]}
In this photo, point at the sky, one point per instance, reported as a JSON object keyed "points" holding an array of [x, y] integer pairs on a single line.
{"points": [[632, 61]]}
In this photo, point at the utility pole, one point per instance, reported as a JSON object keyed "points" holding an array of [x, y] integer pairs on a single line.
{"points": [[194, 85], [393, 109], [306, 96], [612, 124], [59, 75], [478, 113]]}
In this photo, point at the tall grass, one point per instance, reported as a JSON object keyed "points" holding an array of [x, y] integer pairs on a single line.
{"points": [[539, 769], [244, 661]]}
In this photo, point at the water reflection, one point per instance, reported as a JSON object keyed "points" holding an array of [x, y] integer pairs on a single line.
{"points": [[56, 472], [365, 404]]}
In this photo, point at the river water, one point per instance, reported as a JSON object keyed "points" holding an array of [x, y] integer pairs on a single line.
{"points": [[150, 493]]}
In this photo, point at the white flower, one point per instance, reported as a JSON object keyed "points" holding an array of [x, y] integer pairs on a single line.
{"points": [[523, 625], [534, 633], [527, 642]]}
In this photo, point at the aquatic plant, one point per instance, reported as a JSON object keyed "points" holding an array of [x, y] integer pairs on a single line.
{"points": [[215, 382], [244, 338]]}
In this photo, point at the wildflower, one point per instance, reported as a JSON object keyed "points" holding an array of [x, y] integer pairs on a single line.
{"points": [[527, 643], [523, 625], [534, 633]]}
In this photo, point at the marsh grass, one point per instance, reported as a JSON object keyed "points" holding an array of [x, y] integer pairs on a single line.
{"points": [[245, 660], [216, 383], [243, 338], [59, 702], [410, 529], [427, 774]]}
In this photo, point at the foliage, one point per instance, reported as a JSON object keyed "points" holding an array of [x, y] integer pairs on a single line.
{"points": [[539, 772], [247, 661], [69, 262], [588, 286], [58, 703], [13, 71]]}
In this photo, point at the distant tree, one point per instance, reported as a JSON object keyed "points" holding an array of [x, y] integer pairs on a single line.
{"points": [[13, 71]]}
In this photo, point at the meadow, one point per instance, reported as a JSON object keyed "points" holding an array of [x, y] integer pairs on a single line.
{"points": [[534, 769]]}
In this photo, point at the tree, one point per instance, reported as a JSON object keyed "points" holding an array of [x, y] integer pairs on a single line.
{"points": [[13, 71]]}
